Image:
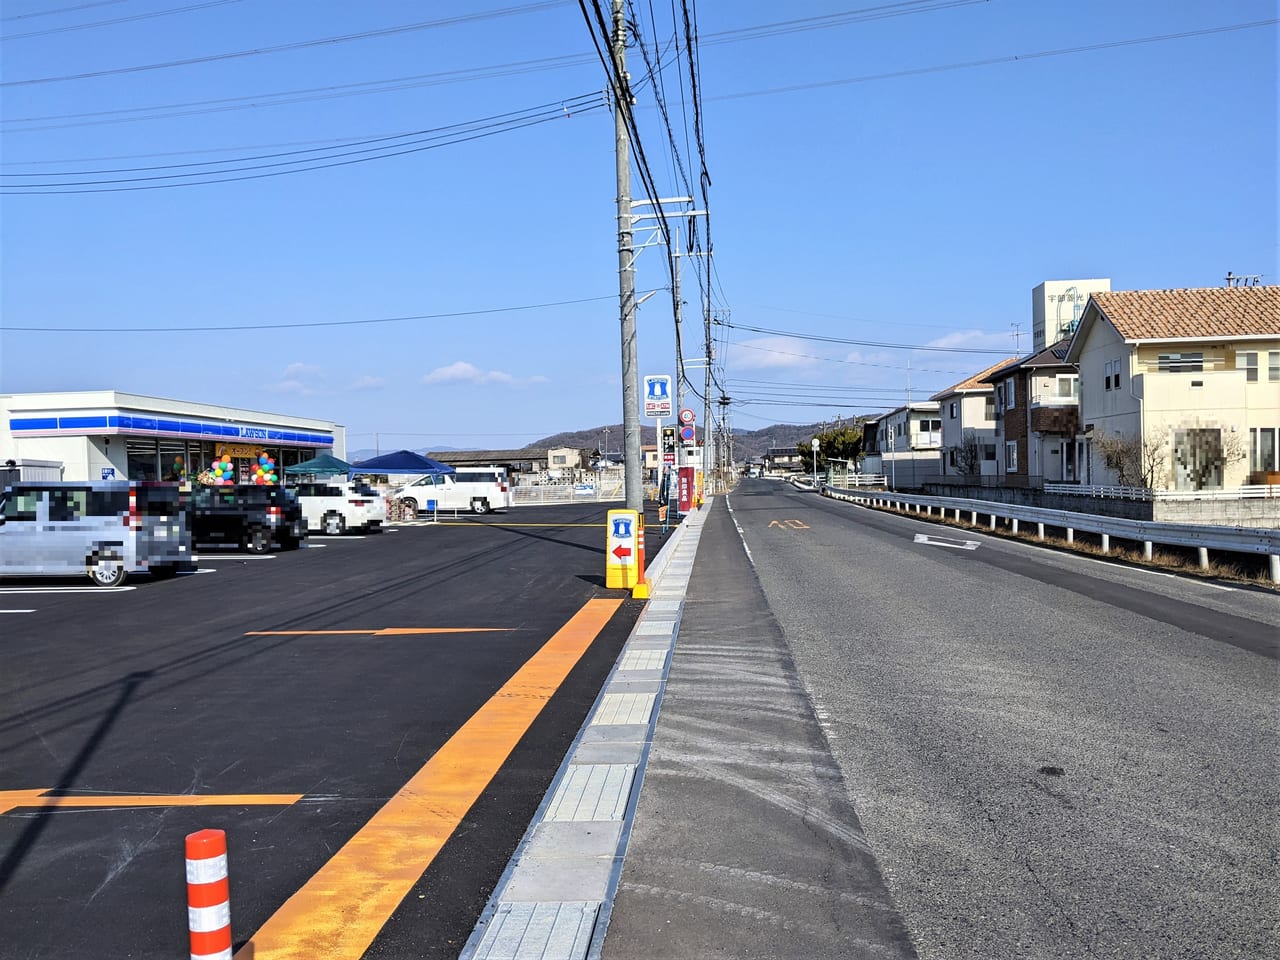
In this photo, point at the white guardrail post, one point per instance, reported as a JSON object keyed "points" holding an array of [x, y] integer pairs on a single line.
{"points": [[1204, 537]]}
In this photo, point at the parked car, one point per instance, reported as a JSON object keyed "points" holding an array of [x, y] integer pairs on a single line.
{"points": [[108, 530], [247, 514], [335, 506], [478, 489]]}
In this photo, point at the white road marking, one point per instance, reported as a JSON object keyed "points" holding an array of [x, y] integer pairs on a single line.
{"points": [[314, 546], [1186, 578], [741, 536], [946, 542], [17, 611], [89, 589], [325, 536], [242, 556]]}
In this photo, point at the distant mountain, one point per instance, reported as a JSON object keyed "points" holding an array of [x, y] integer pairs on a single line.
{"points": [[746, 443]]}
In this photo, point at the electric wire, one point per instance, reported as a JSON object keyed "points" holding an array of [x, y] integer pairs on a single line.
{"points": [[299, 44], [860, 343], [189, 8], [294, 166], [310, 323]]}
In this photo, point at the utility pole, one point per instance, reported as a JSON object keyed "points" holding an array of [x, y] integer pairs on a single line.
{"points": [[626, 271], [678, 307], [708, 451]]}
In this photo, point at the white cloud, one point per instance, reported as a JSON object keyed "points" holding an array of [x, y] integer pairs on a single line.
{"points": [[463, 372], [368, 383], [978, 339], [299, 379]]}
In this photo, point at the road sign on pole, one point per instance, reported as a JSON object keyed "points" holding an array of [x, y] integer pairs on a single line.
{"points": [[687, 416]]}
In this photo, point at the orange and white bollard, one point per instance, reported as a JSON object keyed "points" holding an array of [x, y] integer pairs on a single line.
{"points": [[208, 895], [641, 589]]}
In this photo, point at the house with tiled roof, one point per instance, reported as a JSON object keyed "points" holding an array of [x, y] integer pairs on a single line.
{"points": [[1180, 389], [1036, 418], [968, 426]]}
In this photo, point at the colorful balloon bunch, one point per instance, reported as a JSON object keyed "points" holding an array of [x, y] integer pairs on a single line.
{"points": [[223, 471], [265, 471]]}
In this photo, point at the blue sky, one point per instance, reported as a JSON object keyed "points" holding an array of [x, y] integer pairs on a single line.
{"points": [[863, 187]]}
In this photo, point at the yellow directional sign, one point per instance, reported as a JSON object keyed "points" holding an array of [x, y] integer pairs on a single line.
{"points": [[14, 799]]}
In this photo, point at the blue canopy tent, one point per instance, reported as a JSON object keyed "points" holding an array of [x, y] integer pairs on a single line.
{"points": [[402, 461]]}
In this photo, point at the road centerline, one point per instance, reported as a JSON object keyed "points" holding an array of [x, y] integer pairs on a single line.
{"points": [[341, 909]]}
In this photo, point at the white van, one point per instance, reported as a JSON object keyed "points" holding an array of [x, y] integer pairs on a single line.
{"points": [[107, 530], [478, 489]]}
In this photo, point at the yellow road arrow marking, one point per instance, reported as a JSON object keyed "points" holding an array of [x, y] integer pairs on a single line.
{"points": [[14, 799], [791, 524]]}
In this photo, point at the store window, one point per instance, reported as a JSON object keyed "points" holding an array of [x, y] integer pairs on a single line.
{"points": [[144, 462]]}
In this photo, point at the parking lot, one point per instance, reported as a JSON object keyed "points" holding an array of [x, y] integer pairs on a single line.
{"points": [[292, 699]]}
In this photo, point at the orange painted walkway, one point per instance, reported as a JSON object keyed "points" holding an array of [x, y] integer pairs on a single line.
{"points": [[339, 911]]}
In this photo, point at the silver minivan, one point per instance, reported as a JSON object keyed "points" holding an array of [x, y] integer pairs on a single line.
{"points": [[107, 530]]}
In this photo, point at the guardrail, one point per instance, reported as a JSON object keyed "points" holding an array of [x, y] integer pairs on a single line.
{"points": [[1260, 491], [1252, 540]]}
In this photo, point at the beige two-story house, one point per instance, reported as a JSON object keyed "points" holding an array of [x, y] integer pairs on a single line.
{"points": [[968, 413], [1180, 389]]}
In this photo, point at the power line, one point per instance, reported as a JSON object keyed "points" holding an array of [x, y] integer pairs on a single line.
{"points": [[555, 106], [858, 343], [295, 166], [991, 61], [316, 323], [854, 363], [56, 10], [130, 19], [298, 45]]}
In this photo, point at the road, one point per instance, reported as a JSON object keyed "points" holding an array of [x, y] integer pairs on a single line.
{"points": [[380, 712], [1050, 756]]}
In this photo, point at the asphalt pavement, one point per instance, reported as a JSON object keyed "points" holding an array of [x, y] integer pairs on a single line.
{"points": [[292, 700], [1050, 756]]}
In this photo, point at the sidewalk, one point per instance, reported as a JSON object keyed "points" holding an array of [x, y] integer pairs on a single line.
{"points": [[741, 842]]}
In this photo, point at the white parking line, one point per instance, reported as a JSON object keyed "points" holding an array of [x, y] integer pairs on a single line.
{"points": [[88, 589], [17, 611], [341, 536], [241, 556]]}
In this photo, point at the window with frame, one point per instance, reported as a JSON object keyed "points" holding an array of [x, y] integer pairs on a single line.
{"points": [[1181, 362], [1263, 451], [1068, 387], [1010, 394], [1273, 365], [21, 505], [1011, 456], [989, 408], [954, 405], [1249, 362]]}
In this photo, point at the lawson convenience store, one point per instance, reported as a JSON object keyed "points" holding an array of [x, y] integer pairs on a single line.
{"points": [[104, 434]]}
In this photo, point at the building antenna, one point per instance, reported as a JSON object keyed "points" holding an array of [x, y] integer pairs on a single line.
{"points": [[1017, 337]]}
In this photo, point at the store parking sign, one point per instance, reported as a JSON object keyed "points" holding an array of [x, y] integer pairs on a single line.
{"points": [[657, 398]]}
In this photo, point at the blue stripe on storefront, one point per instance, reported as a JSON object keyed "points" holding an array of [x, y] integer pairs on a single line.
{"points": [[144, 425]]}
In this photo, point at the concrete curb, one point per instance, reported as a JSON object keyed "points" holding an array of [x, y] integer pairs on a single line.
{"points": [[554, 900]]}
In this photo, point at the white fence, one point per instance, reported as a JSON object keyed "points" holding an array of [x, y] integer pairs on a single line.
{"points": [[1260, 491], [1254, 540], [568, 493]]}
